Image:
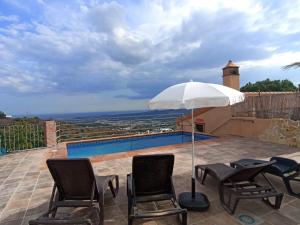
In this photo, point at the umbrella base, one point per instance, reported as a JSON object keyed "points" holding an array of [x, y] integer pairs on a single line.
{"points": [[198, 203]]}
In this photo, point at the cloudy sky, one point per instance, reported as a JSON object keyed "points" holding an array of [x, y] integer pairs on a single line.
{"points": [[82, 56]]}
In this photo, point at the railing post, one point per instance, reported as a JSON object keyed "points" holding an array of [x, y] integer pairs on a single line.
{"points": [[50, 133]]}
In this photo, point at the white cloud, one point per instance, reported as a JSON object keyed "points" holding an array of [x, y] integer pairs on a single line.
{"points": [[10, 18], [89, 46], [276, 60]]}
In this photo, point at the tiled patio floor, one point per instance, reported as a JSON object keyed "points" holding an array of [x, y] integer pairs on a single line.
{"points": [[25, 185]]}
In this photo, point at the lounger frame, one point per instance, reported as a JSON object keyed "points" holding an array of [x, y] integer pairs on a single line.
{"points": [[291, 175], [84, 189], [240, 184]]}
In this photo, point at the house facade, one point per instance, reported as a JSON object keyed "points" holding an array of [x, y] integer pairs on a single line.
{"points": [[268, 116]]}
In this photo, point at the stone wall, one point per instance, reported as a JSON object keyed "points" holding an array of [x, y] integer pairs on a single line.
{"points": [[282, 131], [279, 131]]}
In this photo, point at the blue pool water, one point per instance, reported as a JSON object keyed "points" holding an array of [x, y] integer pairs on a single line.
{"points": [[87, 149]]}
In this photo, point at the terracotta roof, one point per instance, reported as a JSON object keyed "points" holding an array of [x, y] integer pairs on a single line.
{"points": [[230, 64]]}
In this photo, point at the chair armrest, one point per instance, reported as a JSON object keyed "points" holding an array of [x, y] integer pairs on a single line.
{"points": [[173, 189], [129, 185], [130, 190]]}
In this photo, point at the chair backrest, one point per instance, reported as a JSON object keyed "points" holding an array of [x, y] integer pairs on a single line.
{"points": [[152, 174], [248, 173], [74, 178]]}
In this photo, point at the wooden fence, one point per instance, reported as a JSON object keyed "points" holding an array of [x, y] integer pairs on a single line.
{"points": [[269, 106]]}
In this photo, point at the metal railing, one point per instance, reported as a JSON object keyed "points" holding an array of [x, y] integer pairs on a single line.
{"points": [[112, 126], [17, 137]]}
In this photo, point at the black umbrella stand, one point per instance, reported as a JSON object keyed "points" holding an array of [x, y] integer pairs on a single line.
{"points": [[195, 201]]}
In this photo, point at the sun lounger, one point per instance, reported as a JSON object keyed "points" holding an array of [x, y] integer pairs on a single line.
{"points": [[151, 181], [75, 185], [287, 169], [235, 184]]}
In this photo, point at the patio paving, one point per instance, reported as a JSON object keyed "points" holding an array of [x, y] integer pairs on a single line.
{"points": [[26, 185]]}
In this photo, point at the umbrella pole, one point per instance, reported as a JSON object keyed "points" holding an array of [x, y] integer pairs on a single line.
{"points": [[196, 201], [193, 156]]}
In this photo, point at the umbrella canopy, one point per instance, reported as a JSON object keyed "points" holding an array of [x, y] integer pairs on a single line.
{"points": [[193, 95]]}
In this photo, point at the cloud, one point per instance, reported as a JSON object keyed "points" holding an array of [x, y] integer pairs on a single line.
{"points": [[10, 18], [142, 47], [107, 17]]}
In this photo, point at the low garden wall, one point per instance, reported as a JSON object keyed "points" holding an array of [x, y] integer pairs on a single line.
{"points": [[280, 131]]}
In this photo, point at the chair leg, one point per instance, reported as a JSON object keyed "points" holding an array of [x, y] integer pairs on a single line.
{"points": [[99, 215], [278, 200], [129, 206], [184, 218], [204, 176], [130, 220], [56, 198], [236, 201], [227, 206], [54, 211], [101, 208], [221, 193], [289, 188], [113, 190], [197, 173]]}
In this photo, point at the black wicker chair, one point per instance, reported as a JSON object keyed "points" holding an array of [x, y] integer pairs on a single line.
{"points": [[151, 181], [239, 183], [75, 185]]}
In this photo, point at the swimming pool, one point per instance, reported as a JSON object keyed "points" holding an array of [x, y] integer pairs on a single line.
{"points": [[102, 147]]}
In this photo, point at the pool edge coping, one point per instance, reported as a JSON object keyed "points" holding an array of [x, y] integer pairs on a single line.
{"points": [[62, 151]]}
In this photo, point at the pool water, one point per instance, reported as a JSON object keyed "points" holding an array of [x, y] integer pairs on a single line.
{"points": [[87, 149]]}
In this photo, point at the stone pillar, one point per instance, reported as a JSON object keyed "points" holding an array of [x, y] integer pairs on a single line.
{"points": [[50, 133]]}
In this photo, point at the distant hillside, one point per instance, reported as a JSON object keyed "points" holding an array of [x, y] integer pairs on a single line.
{"points": [[95, 115]]}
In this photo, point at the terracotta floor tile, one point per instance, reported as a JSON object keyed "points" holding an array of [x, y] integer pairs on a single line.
{"points": [[291, 212], [24, 176], [277, 218], [295, 203]]}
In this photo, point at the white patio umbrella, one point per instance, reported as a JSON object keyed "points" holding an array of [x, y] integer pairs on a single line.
{"points": [[192, 95]]}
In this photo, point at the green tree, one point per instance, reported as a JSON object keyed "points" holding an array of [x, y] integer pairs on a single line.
{"points": [[2, 115], [269, 85]]}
